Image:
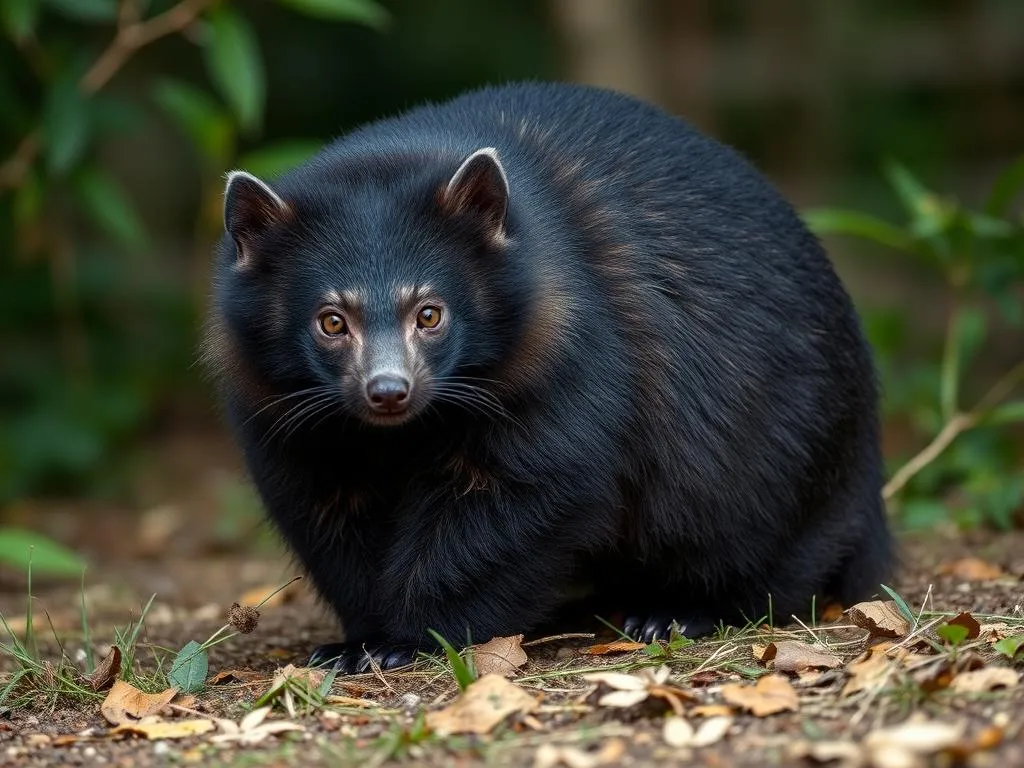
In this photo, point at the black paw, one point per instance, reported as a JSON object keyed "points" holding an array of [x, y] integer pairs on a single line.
{"points": [[353, 658], [647, 629]]}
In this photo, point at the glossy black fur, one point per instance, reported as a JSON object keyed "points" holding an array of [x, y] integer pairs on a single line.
{"points": [[687, 422]]}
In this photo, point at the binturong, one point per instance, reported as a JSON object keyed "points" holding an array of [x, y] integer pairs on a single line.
{"points": [[537, 342]]}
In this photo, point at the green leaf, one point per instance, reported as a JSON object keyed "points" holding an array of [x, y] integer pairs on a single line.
{"points": [[107, 206], [901, 604], [1007, 184], [276, 159], [911, 192], [364, 11], [199, 116], [954, 634], [19, 17], [966, 334], [843, 222], [1009, 646], [463, 672], [188, 672], [18, 546], [985, 226], [235, 66], [85, 10], [655, 650], [67, 126], [1006, 413]]}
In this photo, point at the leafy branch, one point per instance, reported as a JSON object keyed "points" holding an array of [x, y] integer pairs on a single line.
{"points": [[980, 255], [132, 35]]}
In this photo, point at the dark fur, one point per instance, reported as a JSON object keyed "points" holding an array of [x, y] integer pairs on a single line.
{"points": [[688, 405]]}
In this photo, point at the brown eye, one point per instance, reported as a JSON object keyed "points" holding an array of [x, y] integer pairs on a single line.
{"points": [[333, 324], [428, 317]]}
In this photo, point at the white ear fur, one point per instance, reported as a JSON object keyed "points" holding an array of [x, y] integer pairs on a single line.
{"points": [[489, 152], [238, 176], [480, 187]]}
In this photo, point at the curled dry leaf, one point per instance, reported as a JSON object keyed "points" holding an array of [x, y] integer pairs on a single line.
{"points": [[794, 656], [234, 676], [678, 732], [105, 672], [485, 703], [127, 704], [253, 728], [770, 695], [153, 728], [987, 679], [879, 617], [710, 710], [972, 569], [764, 653], [619, 646], [500, 655]]}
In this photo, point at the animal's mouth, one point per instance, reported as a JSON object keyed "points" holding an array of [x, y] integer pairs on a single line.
{"points": [[387, 418]]}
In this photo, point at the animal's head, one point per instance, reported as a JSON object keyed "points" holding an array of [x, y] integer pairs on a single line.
{"points": [[371, 289]]}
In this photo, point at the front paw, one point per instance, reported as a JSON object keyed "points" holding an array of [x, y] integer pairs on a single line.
{"points": [[647, 629], [353, 658]]}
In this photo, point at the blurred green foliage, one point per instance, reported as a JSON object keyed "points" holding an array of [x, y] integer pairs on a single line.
{"points": [[85, 297], [971, 466]]}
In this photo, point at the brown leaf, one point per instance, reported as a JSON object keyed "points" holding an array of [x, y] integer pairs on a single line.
{"points": [[793, 656], [969, 623], [485, 703], [105, 672], [253, 597], [764, 653], [551, 756], [869, 669], [832, 612], [879, 617], [987, 679], [996, 631], [153, 728], [499, 655], [972, 569], [678, 732], [913, 737], [771, 694], [127, 704], [619, 646]]}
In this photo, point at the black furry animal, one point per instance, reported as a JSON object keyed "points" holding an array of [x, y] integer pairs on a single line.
{"points": [[536, 339]]}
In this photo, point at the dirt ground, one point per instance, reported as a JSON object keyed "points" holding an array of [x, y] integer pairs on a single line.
{"points": [[922, 697]]}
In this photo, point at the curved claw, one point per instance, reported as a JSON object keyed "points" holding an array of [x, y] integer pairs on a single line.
{"points": [[354, 658], [647, 629]]}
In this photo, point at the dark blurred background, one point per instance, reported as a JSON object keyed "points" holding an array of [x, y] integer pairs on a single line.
{"points": [[897, 127]]}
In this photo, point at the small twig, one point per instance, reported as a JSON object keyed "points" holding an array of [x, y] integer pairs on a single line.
{"points": [[959, 423], [132, 34]]}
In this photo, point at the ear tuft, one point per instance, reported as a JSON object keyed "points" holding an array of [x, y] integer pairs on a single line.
{"points": [[480, 188], [251, 208]]}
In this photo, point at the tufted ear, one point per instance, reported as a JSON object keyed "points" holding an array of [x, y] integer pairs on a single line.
{"points": [[251, 208], [480, 188]]}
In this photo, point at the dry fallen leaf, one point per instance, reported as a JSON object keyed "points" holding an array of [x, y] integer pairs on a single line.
{"points": [[972, 569], [286, 678], [154, 728], [485, 703], [252, 729], [832, 612], [710, 710], [969, 623], [253, 597], [551, 756], [899, 745], [987, 679], [764, 653], [127, 704], [235, 676], [499, 655], [105, 672], [630, 690], [794, 656], [678, 732], [996, 631], [349, 701], [869, 669], [879, 617], [770, 695], [619, 646]]}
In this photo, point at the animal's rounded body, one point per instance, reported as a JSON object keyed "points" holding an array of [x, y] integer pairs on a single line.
{"points": [[538, 337]]}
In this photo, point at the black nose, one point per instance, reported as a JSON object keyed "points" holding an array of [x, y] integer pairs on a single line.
{"points": [[388, 393]]}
